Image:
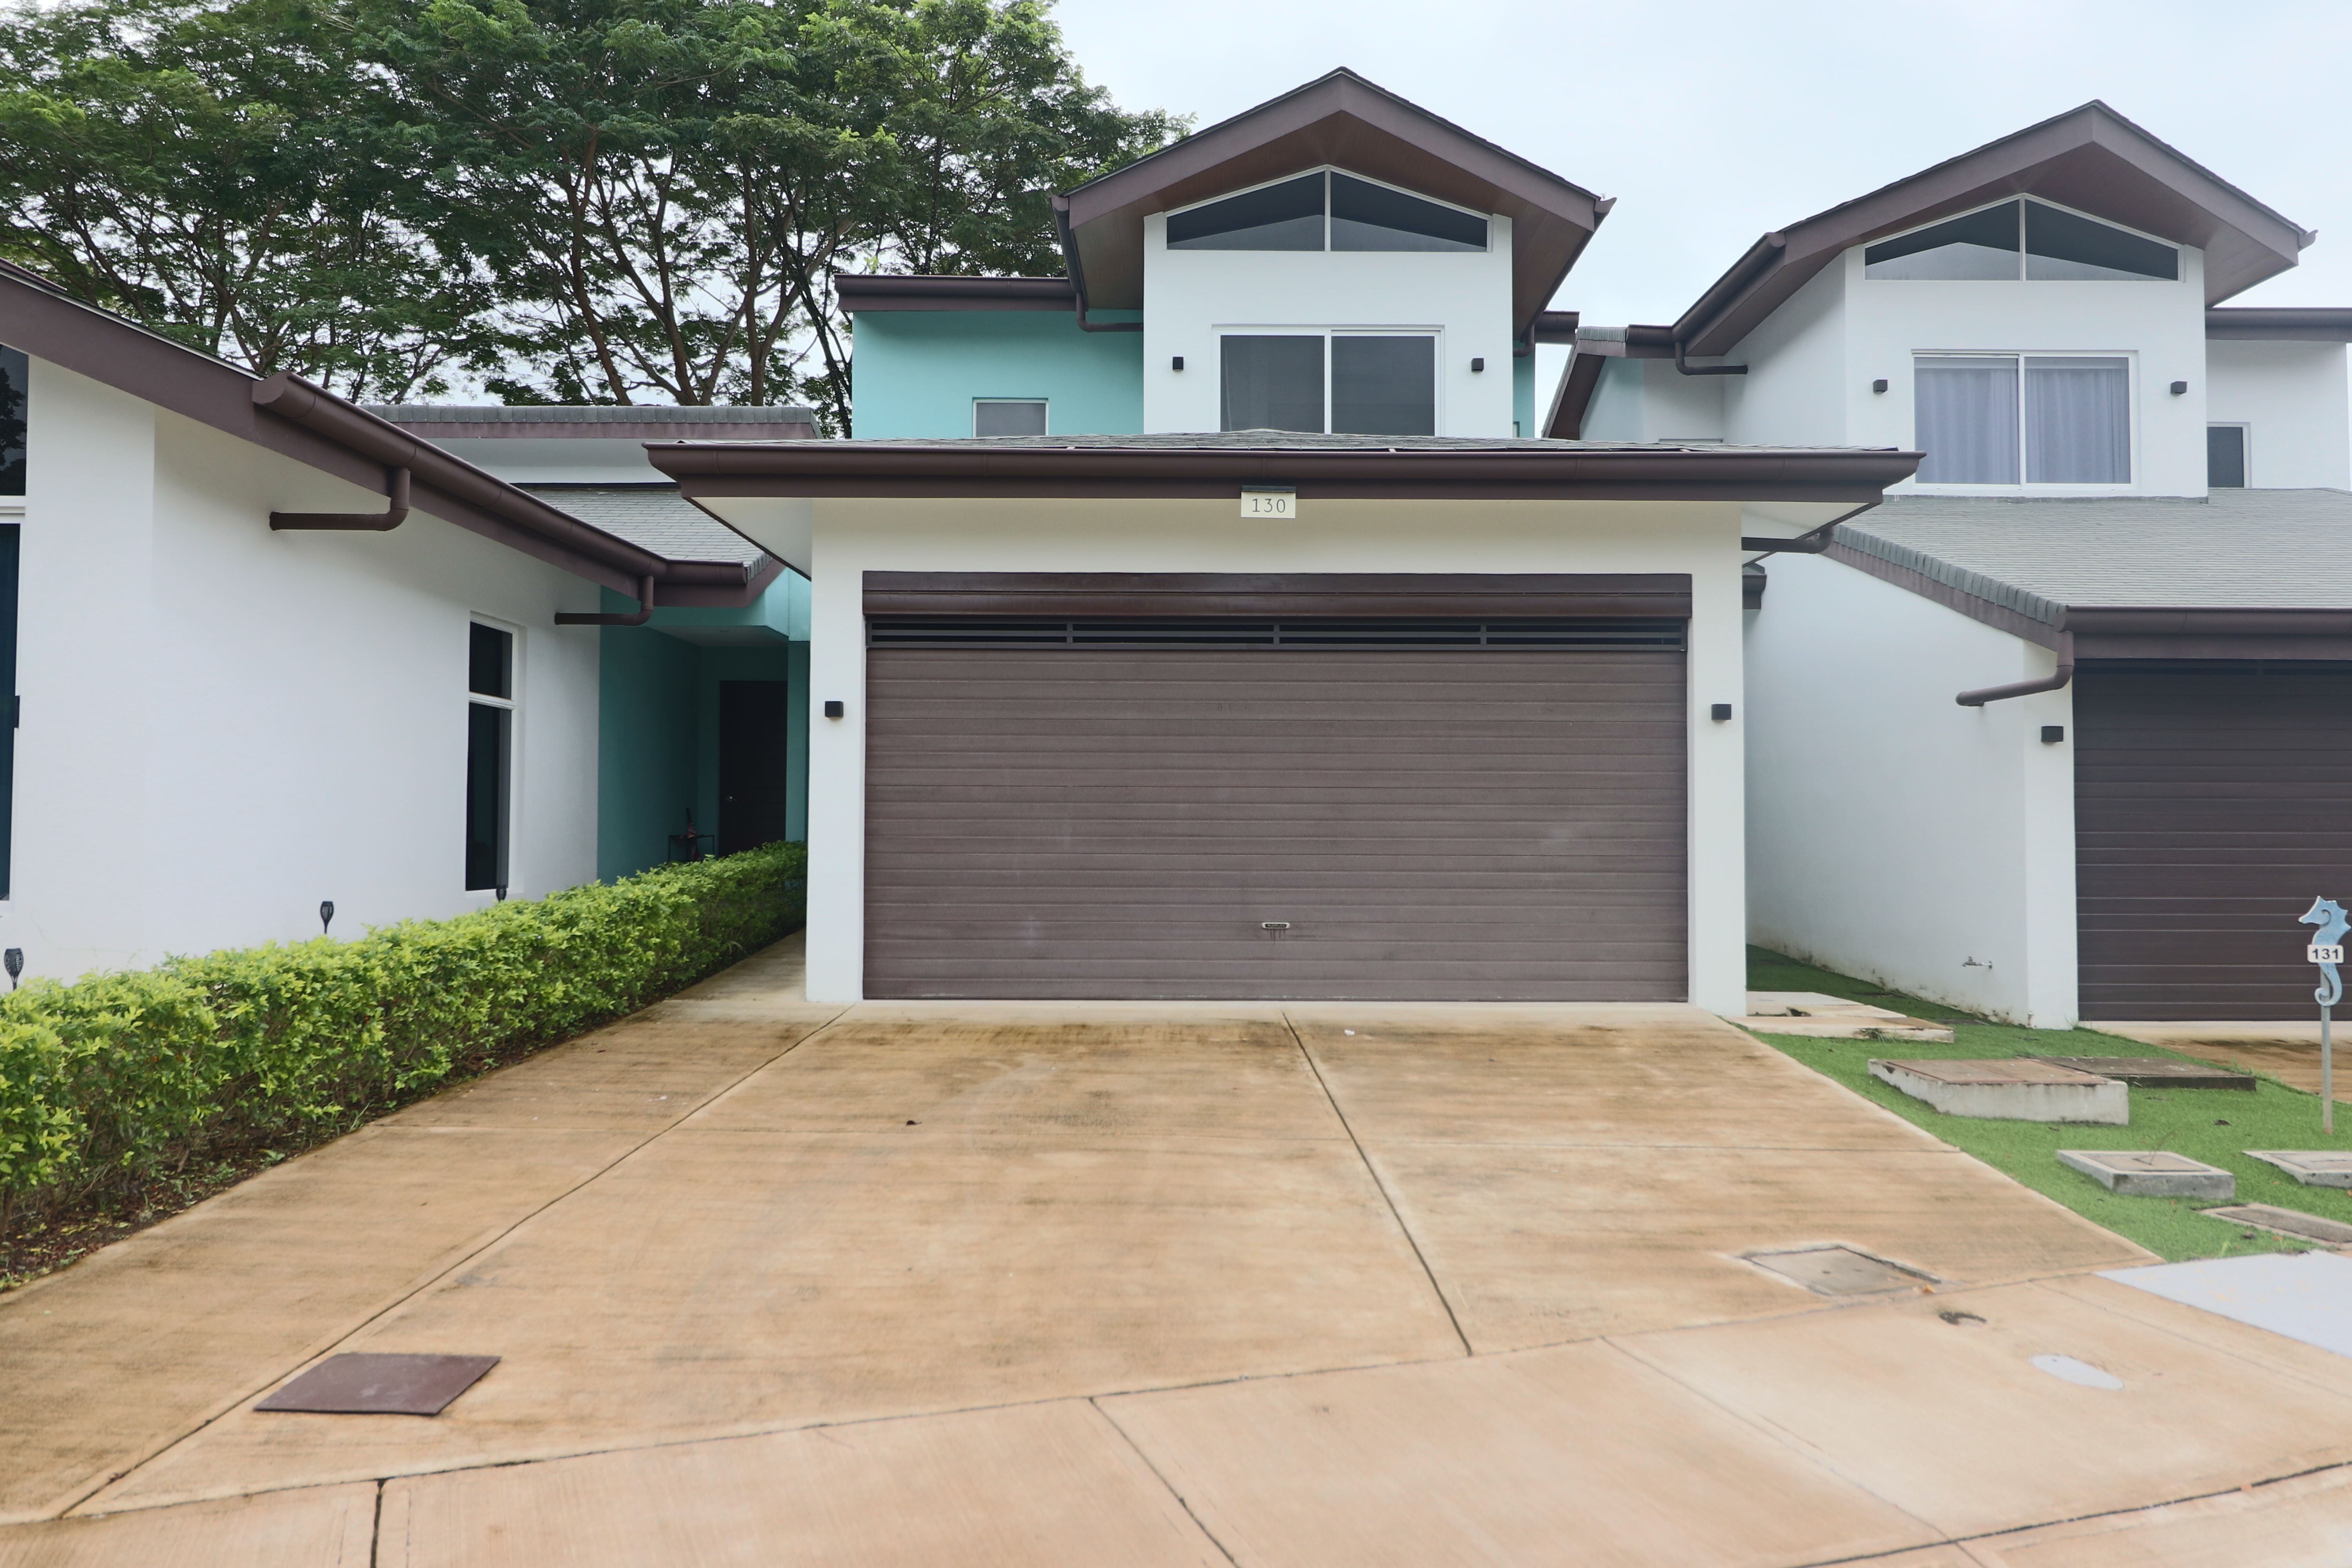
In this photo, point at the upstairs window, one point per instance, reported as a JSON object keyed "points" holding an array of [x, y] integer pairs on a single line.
{"points": [[1327, 211], [1008, 416], [1350, 383], [2039, 419], [2022, 239]]}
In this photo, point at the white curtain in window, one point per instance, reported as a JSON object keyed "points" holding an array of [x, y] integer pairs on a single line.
{"points": [[2077, 421], [1965, 410]]}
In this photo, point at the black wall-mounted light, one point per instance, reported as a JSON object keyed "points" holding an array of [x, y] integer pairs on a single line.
{"points": [[1176, 362], [503, 893], [2179, 389], [1477, 364], [326, 915], [2053, 733], [1878, 385], [15, 959], [835, 710], [1720, 712]]}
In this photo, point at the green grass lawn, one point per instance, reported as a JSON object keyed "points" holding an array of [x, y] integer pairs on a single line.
{"points": [[2215, 1125]]}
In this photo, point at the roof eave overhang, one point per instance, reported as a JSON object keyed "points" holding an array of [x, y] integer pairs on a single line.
{"points": [[295, 420], [2280, 323], [2090, 157], [1343, 120], [840, 471]]}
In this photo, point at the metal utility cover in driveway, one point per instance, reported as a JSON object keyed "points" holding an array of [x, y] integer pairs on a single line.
{"points": [[2009, 1088], [381, 1385], [1839, 1271], [2150, 1172]]}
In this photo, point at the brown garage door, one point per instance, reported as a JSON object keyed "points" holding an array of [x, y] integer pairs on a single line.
{"points": [[1169, 809], [2208, 810]]}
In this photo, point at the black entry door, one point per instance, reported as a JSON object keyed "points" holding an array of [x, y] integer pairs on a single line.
{"points": [[754, 773]]}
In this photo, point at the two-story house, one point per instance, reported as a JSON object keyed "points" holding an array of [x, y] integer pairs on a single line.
{"points": [[2060, 729], [1210, 622]]}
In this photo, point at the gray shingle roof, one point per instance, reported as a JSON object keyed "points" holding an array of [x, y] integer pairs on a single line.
{"points": [[1309, 441], [2241, 550], [598, 413], [654, 517]]}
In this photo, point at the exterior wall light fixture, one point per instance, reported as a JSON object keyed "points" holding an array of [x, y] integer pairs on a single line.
{"points": [[2053, 733], [1720, 712], [1176, 362], [1878, 385], [835, 710], [1477, 364], [15, 958], [2180, 388], [326, 915]]}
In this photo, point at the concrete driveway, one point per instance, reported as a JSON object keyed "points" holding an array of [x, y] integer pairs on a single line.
{"points": [[1150, 1285]]}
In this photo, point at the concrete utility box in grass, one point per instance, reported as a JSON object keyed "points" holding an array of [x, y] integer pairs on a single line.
{"points": [[2150, 1172], [2311, 1167], [2009, 1088]]}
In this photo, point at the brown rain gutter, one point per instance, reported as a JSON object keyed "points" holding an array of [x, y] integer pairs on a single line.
{"points": [[354, 521], [2065, 672], [645, 611], [412, 465], [859, 468]]}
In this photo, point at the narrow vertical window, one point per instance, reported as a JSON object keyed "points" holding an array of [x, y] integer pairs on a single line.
{"points": [[9, 536], [2225, 457], [15, 375], [489, 755], [2077, 421]]}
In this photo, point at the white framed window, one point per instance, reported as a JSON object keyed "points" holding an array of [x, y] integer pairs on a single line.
{"points": [[2022, 239], [491, 712], [1327, 210], [1008, 416], [2229, 457], [2023, 419], [1344, 382]]}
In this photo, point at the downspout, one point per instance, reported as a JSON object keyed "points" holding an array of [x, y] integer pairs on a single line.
{"points": [[645, 611], [1811, 543], [1688, 369], [396, 489], [1759, 260], [2065, 673], [1078, 276]]}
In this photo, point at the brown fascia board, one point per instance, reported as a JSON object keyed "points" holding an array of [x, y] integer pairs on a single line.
{"points": [[1347, 122], [42, 322], [2119, 632], [866, 292], [2280, 323], [1573, 398], [2090, 157], [835, 470]]}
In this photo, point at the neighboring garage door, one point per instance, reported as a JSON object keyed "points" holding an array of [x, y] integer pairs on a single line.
{"points": [[1172, 808], [2209, 812]]}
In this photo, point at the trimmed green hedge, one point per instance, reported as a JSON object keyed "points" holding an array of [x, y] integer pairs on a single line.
{"points": [[111, 1080]]}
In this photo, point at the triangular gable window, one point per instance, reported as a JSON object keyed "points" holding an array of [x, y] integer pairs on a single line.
{"points": [[1325, 211], [2027, 240]]}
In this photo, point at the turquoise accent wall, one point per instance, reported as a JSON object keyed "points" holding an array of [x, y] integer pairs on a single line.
{"points": [[1523, 394], [658, 731], [916, 373]]}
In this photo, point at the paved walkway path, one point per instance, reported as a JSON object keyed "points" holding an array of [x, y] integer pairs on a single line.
{"points": [[1107, 1283]]}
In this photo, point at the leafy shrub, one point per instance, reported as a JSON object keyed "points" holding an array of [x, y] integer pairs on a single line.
{"points": [[115, 1078]]}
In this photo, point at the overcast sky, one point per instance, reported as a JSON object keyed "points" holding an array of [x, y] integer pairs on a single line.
{"points": [[1716, 121]]}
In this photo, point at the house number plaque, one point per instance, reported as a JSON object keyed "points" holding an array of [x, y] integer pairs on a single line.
{"points": [[1270, 504]]}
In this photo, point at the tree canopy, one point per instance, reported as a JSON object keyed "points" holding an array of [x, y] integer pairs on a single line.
{"points": [[577, 201]]}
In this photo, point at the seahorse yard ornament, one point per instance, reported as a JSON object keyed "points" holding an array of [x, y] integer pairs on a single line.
{"points": [[2326, 950]]}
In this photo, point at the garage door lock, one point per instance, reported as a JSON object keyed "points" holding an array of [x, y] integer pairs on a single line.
{"points": [[1276, 926]]}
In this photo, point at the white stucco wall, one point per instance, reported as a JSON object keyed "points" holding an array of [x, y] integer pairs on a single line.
{"points": [[2292, 398], [1650, 400], [1192, 296], [1892, 834], [1794, 393], [222, 725], [853, 537]]}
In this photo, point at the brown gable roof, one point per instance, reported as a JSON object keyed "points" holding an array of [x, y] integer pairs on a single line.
{"points": [[313, 427], [2091, 158], [1347, 122]]}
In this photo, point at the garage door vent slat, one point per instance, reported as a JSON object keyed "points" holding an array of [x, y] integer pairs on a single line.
{"points": [[1600, 634]]}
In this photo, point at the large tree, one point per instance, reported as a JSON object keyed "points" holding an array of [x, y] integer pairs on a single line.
{"points": [[662, 190], [220, 172]]}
